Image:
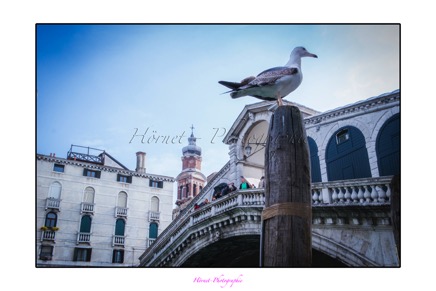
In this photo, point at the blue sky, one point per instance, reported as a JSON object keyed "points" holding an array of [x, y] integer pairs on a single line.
{"points": [[97, 84]]}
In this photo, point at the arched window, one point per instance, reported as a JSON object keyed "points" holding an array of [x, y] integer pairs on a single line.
{"points": [[346, 155], [195, 190], [388, 147], [55, 190], [153, 230], [120, 225], [88, 196], [85, 224], [154, 204], [122, 199], [51, 219], [315, 167]]}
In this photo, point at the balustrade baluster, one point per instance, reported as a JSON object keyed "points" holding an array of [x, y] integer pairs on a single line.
{"points": [[315, 196], [374, 194], [388, 192], [334, 195], [381, 193], [341, 194], [360, 194], [347, 195], [354, 195], [367, 194], [258, 201]]}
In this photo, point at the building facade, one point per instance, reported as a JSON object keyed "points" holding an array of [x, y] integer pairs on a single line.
{"points": [[93, 211], [359, 140]]}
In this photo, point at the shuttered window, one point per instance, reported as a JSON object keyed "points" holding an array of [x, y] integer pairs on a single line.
{"points": [[156, 184], [91, 173], [315, 167], [347, 156], [85, 224], [153, 230], [388, 147], [120, 225]]}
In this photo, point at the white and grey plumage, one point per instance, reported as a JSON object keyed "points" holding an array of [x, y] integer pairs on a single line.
{"points": [[272, 84]]}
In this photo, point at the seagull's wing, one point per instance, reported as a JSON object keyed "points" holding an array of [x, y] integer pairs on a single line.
{"points": [[270, 76]]}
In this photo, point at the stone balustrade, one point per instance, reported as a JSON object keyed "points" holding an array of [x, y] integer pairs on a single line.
{"points": [[48, 235], [118, 240], [83, 237], [87, 207], [153, 216], [120, 211], [356, 193], [52, 203]]}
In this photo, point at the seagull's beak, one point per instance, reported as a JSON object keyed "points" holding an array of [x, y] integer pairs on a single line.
{"points": [[312, 55]]}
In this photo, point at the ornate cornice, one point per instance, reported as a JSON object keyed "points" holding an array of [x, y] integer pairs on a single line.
{"points": [[373, 103], [103, 168]]}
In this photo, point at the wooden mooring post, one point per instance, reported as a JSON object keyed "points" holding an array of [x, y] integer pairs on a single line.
{"points": [[286, 239]]}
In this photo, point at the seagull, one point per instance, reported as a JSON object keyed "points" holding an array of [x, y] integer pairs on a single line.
{"points": [[272, 84]]}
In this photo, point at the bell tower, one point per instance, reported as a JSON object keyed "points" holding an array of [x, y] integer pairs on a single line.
{"points": [[190, 181]]}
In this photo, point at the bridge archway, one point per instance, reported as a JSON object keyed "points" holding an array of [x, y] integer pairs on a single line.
{"points": [[239, 251], [243, 251]]}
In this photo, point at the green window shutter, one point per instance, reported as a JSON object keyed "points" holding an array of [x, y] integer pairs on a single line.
{"points": [[120, 227], [85, 224], [153, 230]]}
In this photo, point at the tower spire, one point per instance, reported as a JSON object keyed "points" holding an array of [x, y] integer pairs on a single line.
{"points": [[190, 181]]}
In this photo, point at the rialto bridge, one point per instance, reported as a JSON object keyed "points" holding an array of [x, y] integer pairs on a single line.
{"points": [[354, 153], [351, 226]]}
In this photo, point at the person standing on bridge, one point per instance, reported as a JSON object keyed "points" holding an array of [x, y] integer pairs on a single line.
{"points": [[244, 184]]}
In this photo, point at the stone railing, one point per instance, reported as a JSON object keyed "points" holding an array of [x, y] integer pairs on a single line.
{"points": [[48, 235], [368, 191], [87, 207], [239, 198], [118, 240], [83, 237], [153, 216], [52, 203], [120, 211], [357, 191]]}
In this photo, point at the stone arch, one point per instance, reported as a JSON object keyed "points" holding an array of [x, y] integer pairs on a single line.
{"points": [[55, 190], [346, 155], [340, 252], [382, 120], [251, 167], [154, 204], [89, 195], [388, 147], [122, 199], [315, 166], [363, 127], [244, 135]]}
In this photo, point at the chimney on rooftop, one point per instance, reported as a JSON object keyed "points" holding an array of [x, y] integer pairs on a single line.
{"points": [[140, 162]]}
